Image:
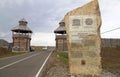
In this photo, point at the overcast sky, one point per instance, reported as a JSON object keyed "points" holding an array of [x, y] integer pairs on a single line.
{"points": [[43, 17]]}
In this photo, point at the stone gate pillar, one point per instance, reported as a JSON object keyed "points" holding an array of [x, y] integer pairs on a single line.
{"points": [[83, 35]]}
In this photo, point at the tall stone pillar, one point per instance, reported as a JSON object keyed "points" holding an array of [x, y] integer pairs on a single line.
{"points": [[83, 35]]}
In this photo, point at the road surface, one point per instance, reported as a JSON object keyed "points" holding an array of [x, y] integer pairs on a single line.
{"points": [[25, 65]]}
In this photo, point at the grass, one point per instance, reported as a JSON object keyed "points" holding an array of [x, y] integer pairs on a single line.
{"points": [[60, 57], [11, 54], [7, 53], [110, 58], [37, 48]]}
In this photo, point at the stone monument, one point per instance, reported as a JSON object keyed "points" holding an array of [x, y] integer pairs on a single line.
{"points": [[83, 38]]}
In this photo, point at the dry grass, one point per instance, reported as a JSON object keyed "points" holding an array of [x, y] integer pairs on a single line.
{"points": [[110, 62], [111, 58], [6, 53], [3, 51], [37, 48], [11, 54], [60, 57]]}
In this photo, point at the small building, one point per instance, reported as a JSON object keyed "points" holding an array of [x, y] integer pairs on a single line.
{"points": [[61, 41], [21, 35]]}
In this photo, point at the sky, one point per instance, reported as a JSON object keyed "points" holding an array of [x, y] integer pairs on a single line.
{"points": [[43, 17]]}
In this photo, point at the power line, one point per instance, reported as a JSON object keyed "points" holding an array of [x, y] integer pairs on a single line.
{"points": [[110, 30]]}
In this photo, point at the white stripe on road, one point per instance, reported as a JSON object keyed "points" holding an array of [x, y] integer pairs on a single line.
{"points": [[18, 61], [38, 73]]}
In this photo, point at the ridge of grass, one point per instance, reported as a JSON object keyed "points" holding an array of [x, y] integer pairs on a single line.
{"points": [[60, 57], [9, 54]]}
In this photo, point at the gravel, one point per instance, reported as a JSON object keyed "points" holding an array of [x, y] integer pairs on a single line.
{"points": [[62, 71]]}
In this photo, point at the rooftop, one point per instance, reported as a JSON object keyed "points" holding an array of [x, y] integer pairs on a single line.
{"points": [[22, 27], [61, 29]]}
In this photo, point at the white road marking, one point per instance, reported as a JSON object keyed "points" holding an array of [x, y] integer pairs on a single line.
{"points": [[38, 73], [18, 61]]}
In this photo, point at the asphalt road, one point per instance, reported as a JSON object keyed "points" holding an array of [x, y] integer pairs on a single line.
{"points": [[25, 65]]}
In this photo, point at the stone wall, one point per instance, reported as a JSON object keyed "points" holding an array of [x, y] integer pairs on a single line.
{"points": [[110, 42], [105, 42]]}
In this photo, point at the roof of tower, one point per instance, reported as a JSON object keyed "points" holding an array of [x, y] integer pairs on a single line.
{"points": [[61, 29], [22, 28]]}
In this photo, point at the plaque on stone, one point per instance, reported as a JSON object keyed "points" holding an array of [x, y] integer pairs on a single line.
{"points": [[83, 35]]}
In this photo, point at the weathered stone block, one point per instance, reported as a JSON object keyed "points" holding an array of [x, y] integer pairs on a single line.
{"points": [[83, 35]]}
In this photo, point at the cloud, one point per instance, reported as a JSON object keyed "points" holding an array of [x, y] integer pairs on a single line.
{"points": [[43, 16], [43, 39], [110, 18]]}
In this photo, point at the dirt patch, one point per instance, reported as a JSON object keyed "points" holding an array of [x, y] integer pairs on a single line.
{"points": [[58, 67], [62, 71], [57, 71]]}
